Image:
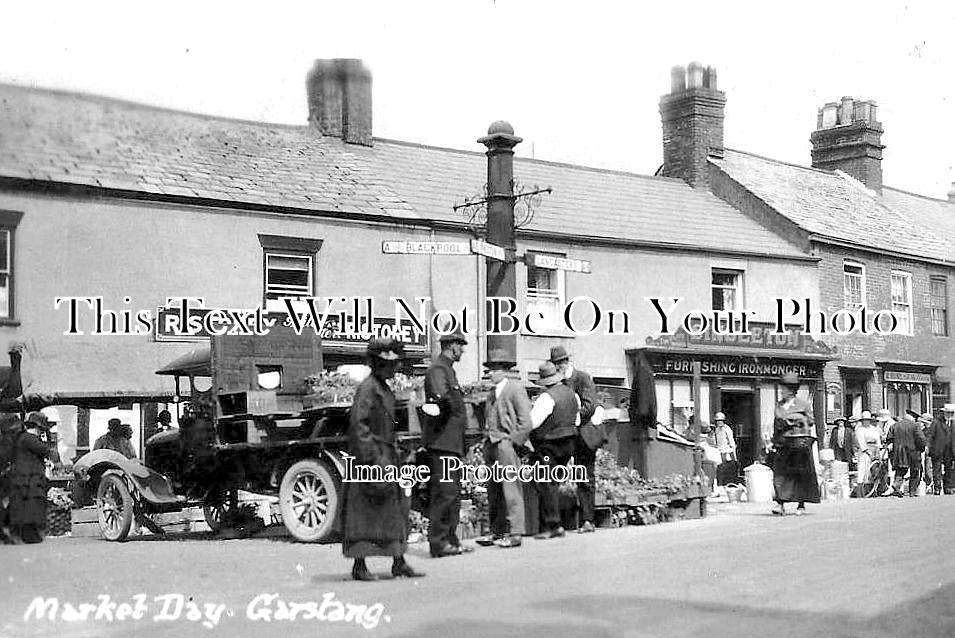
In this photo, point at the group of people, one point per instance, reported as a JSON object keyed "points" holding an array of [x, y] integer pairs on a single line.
{"points": [[24, 449], [375, 515], [919, 446]]}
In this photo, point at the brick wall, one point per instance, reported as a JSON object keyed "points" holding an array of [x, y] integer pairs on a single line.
{"points": [[864, 350]]}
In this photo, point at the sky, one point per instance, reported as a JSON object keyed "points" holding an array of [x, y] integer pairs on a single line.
{"points": [[579, 81]]}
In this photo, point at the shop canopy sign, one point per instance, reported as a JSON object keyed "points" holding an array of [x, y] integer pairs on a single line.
{"points": [[907, 377], [735, 367], [761, 337], [169, 327]]}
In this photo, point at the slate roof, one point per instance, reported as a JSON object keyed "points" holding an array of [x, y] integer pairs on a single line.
{"points": [[53, 136], [835, 206], [585, 202], [93, 141], [937, 213]]}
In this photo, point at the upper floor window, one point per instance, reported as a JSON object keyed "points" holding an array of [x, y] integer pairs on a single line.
{"points": [[902, 300], [9, 220], [939, 306], [545, 294], [727, 287], [289, 265], [853, 283]]}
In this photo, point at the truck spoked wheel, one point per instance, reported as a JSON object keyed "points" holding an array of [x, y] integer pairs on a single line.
{"points": [[114, 504], [308, 498]]}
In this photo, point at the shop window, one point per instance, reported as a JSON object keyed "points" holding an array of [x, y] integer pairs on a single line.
{"points": [[853, 282], [939, 306], [900, 397], [289, 269], [941, 394], [545, 295], [727, 289], [8, 225], [902, 300]]}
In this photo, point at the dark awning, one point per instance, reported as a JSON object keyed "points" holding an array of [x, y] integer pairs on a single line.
{"points": [[196, 362]]}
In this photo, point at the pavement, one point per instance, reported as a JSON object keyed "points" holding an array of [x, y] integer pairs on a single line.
{"points": [[853, 568]]}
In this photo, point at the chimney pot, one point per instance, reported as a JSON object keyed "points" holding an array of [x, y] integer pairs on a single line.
{"points": [[951, 193], [845, 111], [677, 79], [694, 75], [709, 79]]}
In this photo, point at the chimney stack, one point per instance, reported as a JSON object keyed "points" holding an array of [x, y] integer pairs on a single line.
{"points": [[848, 137], [692, 115], [339, 99]]}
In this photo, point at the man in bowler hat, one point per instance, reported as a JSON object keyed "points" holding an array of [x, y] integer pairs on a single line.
{"points": [[443, 436], [585, 451]]}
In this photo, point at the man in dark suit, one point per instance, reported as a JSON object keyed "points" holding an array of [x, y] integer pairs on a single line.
{"points": [[555, 416], [508, 411], [940, 444], [842, 441], [443, 437], [585, 450], [908, 443]]}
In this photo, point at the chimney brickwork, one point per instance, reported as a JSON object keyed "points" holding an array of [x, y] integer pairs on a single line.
{"points": [[848, 137], [692, 115], [339, 100]]}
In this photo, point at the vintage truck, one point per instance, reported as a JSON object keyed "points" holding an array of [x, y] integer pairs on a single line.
{"points": [[248, 426]]}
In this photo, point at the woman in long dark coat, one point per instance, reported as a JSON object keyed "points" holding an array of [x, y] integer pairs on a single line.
{"points": [[28, 483], [375, 515], [794, 469]]}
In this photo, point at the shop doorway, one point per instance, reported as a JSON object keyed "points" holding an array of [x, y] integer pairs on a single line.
{"points": [[740, 411]]}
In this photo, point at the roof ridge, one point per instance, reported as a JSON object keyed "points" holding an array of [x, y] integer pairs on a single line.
{"points": [[919, 195], [534, 160], [812, 169], [109, 99]]}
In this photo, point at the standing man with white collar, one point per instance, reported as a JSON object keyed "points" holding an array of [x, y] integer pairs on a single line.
{"points": [[590, 434], [508, 426]]}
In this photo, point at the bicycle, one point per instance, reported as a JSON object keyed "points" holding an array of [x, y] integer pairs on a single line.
{"points": [[879, 480]]}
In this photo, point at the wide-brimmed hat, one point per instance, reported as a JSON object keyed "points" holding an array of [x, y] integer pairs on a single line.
{"points": [[498, 358], [865, 416], [883, 414], [558, 354], [719, 417], [548, 374], [926, 417], [948, 407], [839, 418], [790, 378], [455, 337], [384, 349]]}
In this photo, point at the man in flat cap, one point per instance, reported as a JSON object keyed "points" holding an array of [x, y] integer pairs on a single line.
{"points": [[443, 436], [375, 514], [508, 412], [591, 434], [555, 416]]}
